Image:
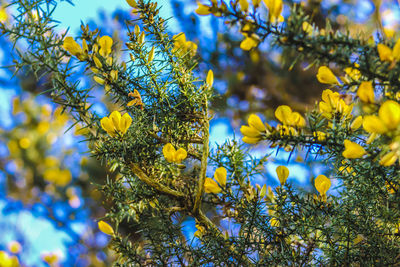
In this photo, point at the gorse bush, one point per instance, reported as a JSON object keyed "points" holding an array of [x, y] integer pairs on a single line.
{"points": [[156, 136]]}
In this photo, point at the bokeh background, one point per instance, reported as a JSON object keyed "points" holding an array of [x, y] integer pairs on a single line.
{"points": [[49, 202]]}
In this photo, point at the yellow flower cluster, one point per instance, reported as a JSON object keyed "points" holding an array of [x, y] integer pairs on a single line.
{"points": [[256, 129], [332, 103], [210, 186], [184, 47], [173, 155], [288, 117], [101, 49], [116, 124]]}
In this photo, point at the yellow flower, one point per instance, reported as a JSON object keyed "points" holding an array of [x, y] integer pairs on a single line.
{"points": [[50, 258], [353, 150], [3, 15], [356, 123], [307, 27], [105, 228], [220, 176], [389, 113], [172, 155], [285, 115], [182, 46], [255, 130], [389, 159], [73, 47], [210, 78], [354, 74], [200, 231], [203, 10], [326, 76], [132, 3], [14, 247], [332, 103], [391, 187], [7, 260], [105, 43], [388, 119], [283, 174], [274, 222], [322, 184], [274, 10], [250, 42], [373, 124], [244, 5], [116, 123], [210, 186], [321, 136], [387, 54], [366, 92]]}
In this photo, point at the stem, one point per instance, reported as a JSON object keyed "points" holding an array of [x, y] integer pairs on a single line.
{"points": [[204, 158], [157, 186]]}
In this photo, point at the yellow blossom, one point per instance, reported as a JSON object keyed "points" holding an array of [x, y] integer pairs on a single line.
{"points": [[366, 92], [353, 150], [322, 184], [389, 159], [326, 76], [50, 258], [210, 186], [274, 10], [116, 123], [73, 47], [285, 115], [356, 123], [321, 136], [200, 231], [210, 78], [203, 10], [283, 174], [250, 42], [353, 73], [182, 46], [307, 27], [332, 103], [14, 247], [385, 53], [388, 118], [255, 130], [7, 260], [173, 155], [3, 15], [105, 228], [105, 43], [220, 176], [132, 3], [244, 5]]}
